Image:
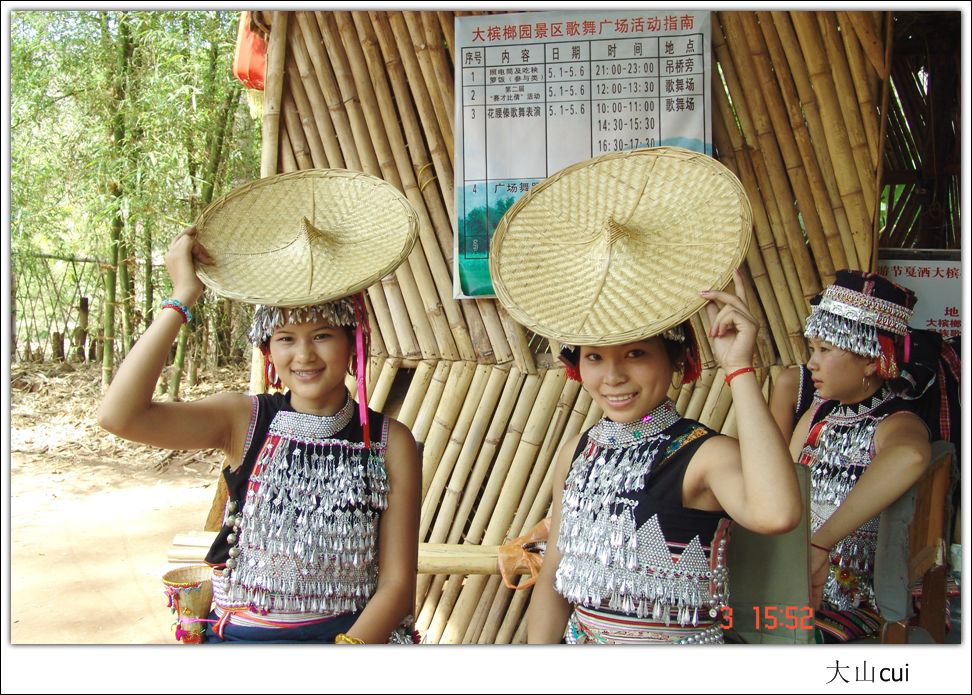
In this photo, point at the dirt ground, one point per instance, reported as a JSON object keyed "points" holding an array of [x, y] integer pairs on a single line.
{"points": [[92, 516]]}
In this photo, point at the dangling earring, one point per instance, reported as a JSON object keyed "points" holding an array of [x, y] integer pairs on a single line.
{"points": [[677, 377], [272, 378], [865, 382]]}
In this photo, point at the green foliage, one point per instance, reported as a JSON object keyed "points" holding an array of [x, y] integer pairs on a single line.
{"points": [[97, 133]]}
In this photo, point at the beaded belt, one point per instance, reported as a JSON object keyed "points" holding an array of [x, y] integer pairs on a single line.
{"points": [[589, 625]]}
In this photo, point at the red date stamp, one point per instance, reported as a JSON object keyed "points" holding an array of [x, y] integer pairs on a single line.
{"points": [[771, 617]]}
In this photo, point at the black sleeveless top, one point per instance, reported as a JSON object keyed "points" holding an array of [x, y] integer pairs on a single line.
{"points": [[265, 408]]}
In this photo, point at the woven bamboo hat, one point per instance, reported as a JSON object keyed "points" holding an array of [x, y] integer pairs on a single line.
{"points": [[616, 249], [306, 237]]}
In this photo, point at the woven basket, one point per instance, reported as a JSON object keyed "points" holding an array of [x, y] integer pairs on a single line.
{"points": [[305, 238], [617, 248]]}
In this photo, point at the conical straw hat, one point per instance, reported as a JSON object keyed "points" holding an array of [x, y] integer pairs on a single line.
{"points": [[304, 238], [617, 248]]}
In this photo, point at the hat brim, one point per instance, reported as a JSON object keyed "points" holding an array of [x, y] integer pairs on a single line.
{"points": [[306, 237], [617, 248]]}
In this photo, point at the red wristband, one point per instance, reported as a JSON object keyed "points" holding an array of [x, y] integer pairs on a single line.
{"points": [[820, 547], [732, 375]]}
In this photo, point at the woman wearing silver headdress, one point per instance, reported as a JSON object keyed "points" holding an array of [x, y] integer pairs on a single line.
{"points": [[864, 444]]}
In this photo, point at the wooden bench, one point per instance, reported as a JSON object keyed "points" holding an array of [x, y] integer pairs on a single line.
{"points": [[434, 558]]}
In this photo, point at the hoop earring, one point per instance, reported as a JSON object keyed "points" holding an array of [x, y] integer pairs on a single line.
{"points": [[677, 378], [865, 382]]}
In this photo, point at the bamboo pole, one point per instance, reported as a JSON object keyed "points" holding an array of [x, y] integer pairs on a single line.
{"points": [[494, 618], [717, 402], [834, 131], [465, 448], [394, 23], [443, 109], [863, 83], [447, 23], [331, 92], [384, 383], [452, 325], [494, 329], [699, 394], [287, 160], [483, 589], [397, 284], [818, 188], [471, 592], [791, 322], [764, 190], [773, 332], [761, 112], [498, 383], [423, 420], [811, 112], [882, 136], [516, 336], [456, 386], [316, 106], [849, 106], [783, 133], [870, 40], [305, 114], [295, 131], [497, 426], [684, 396], [273, 91], [328, 87], [420, 301], [418, 387], [441, 466]]}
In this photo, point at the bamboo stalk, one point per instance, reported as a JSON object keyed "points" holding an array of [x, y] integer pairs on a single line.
{"points": [[272, 93], [769, 148], [447, 24], [441, 67], [452, 325], [418, 387], [435, 558], [863, 81], [477, 332], [328, 86], [782, 131], [443, 110], [494, 329], [801, 135], [882, 136], [717, 402], [316, 107], [457, 384], [699, 394], [771, 319], [415, 280], [442, 466], [483, 592], [871, 43], [849, 106], [398, 309], [508, 417], [295, 131], [792, 325], [471, 593], [468, 447], [836, 134], [423, 420], [764, 189], [515, 335], [384, 383], [494, 617], [684, 396], [394, 23], [808, 102], [285, 152], [305, 114]]}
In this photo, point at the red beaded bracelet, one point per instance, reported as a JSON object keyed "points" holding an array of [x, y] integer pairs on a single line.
{"points": [[732, 375]]}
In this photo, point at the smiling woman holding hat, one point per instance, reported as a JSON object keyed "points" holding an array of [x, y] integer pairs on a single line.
{"points": [[320, 534], [610, 258]]}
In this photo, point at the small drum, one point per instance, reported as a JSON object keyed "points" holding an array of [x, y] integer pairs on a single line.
{"points": [[190, 593]]}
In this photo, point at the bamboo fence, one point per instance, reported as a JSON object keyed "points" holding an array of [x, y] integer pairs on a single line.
{"points": [[797, 99]]}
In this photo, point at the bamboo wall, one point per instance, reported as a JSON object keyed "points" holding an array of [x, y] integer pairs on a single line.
{"points": [[372, 91]]}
